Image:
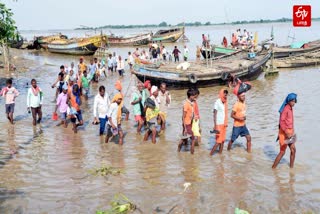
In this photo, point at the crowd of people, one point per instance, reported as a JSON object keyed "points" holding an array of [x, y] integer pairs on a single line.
{"points": [[158, 52], [150, 106]]}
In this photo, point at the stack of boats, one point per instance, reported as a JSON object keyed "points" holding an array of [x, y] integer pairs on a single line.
{"points": [[164, 36], [299, 54], [60, 43]]}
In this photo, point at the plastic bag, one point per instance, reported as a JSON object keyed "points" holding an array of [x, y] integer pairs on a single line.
{"points": [[196, 128], [242, 87]]}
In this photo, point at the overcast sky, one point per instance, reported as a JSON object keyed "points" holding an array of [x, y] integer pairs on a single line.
{"points": [[69, 14]]}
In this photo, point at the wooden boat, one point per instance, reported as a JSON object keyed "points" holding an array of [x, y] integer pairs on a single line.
{"points": [[218, 51], [16, 43], [169, 35], [303, 60], [77, 46], [135, 40], [42, 41], [200, 75], [288, 51]]}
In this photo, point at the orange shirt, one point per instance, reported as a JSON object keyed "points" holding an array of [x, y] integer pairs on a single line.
{"points": [[188, 109], [74, 103], [240, 109]]}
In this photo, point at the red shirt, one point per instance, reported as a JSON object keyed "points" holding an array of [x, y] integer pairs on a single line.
{"points": [[286, 118], [196, 110]]}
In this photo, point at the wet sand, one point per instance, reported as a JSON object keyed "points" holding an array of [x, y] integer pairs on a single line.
{"points": [[50, 172]]}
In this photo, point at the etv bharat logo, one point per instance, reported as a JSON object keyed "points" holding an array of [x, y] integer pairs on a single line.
{"points": [[302, 15]]}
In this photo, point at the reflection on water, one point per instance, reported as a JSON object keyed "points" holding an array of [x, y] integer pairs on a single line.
{"points": [[45, 169]]}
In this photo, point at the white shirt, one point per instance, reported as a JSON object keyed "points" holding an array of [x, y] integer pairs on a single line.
{"points": [[219, 107], [164, 51], [186, 52], [163, 101], [120, 65], [156, 100], [32, 100], [131, 59], [101, 104], [114, 60], [113, 112]]}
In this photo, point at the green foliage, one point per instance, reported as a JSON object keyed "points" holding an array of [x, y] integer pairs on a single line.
{"points": [[7, 24], [119, 205]]}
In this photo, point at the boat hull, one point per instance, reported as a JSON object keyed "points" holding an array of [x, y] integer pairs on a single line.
{"points": [[16, 44], [138, 40], [178, 81], [289, 52], [171, 36], [84, 50], [84, 46]]}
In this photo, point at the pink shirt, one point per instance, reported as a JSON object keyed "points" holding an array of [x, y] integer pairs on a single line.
{"points": [[10, 94], [62, 102], [286, 118]]}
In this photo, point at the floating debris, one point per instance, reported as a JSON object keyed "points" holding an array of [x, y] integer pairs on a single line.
{"points": [[186, 186], [106, 170], [119, 205]]}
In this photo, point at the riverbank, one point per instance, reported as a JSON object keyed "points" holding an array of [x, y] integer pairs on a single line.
{"points": [[19, 63]]}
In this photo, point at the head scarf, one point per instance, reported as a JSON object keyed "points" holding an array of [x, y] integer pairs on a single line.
{"points": [[146, 83], [76, 94], [118, 85], [116, 97], [153, 89], [225, 103], [290, 97], [119, 113]]}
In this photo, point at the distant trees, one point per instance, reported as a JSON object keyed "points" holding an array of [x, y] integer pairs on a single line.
{"points": [[192, 24], [163, 24]]}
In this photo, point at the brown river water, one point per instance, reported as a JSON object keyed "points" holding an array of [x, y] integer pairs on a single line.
{"points": [[50, 172]]}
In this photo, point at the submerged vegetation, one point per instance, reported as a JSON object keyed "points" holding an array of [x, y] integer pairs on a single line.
{"points": [[119, 205], [105, 170]]}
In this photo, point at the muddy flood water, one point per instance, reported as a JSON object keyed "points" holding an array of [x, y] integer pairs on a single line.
{"points": [[50, 171]]}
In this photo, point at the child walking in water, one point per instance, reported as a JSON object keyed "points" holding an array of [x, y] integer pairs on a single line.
{"points": [[152, 113], [62, 104], [187, 117], [9, 93]]}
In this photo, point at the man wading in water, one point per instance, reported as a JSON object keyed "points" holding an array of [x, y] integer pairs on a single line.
{"points": [[34, 101], [239, 126], [286, 130], [220, 119]]}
